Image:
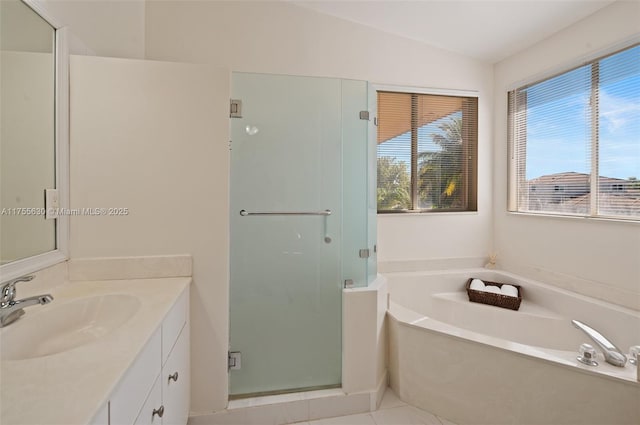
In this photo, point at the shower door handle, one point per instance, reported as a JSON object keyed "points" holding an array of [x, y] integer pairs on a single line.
{"points": [[327, 238], [325, 214], [245, 213]]}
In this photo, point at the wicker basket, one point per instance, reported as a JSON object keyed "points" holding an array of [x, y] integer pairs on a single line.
{"points": [[490, 298]]}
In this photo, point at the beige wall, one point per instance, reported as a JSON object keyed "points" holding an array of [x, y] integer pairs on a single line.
{"points": [[285, 39], [594, 257], [101, 27], [153, 137]]}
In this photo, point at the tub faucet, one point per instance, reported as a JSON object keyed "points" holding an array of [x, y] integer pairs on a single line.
{"points": [[10, 308], [612, 354]]}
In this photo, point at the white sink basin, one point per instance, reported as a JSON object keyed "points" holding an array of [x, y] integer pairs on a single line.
{"points": [[51, 329]]}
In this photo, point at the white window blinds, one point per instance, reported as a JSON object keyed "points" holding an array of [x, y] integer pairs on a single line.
{"points": [[565, 130], [427, 148]]}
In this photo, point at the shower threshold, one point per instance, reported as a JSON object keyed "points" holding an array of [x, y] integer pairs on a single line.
{"points": [[293, 407], [281, 392]]}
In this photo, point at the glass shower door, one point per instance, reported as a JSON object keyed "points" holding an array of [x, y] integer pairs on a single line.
{"points": [[286, 232]]}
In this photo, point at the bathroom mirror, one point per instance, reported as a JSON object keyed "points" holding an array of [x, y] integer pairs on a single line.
{"points": [[29, 138]]}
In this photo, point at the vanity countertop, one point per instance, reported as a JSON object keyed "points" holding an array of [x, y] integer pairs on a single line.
{"points": [[70, 387]]}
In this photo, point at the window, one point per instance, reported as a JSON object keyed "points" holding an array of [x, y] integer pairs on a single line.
{"points": [[567, 129], [427, 150]]}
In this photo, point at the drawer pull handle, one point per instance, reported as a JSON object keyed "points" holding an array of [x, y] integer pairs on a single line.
{"points": [[173, 377], [159, 411]]}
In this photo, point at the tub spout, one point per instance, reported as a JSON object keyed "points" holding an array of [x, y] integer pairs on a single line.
{"points": [[612, 354]]}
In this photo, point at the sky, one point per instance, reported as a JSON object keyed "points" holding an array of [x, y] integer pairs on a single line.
{"points": [[559, 123]]}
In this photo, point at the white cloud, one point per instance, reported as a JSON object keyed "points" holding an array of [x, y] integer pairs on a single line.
{"points": [[618, 111]]}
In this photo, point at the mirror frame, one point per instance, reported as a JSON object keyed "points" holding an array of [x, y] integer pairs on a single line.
{"points": [[61, 139]]}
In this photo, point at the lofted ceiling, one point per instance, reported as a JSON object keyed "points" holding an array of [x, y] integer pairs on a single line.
{"points": [[486, 30]]}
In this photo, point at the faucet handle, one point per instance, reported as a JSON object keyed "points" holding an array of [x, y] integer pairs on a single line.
{"points": [[587, 355], [8, 289]]}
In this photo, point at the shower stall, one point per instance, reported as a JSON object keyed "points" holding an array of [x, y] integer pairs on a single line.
{"points": [[303, 210]]}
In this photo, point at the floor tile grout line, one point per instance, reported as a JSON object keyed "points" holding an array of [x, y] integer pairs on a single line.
{"points": [[371, 414], [373, 418]]}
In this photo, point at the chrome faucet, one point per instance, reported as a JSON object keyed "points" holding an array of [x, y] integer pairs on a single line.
{"points": [[612, 354], [12, 309]]}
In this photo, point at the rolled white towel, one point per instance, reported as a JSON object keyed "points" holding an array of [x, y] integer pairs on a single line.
{"points": [[492, 289], [477, 285], [509, 290]]}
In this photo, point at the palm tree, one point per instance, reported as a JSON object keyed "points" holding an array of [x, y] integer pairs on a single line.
{"points": [[393, 184], [440, 172]]}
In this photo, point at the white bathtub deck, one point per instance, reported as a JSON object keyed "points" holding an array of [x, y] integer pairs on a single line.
{"points": [[392, 411], [475, 363]]}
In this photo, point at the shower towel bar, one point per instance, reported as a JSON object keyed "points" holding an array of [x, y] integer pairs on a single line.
{"points": [[245, 213]]}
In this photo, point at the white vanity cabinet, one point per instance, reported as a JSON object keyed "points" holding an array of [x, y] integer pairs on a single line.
{"points": [[153, 407], [176, 385], [155, 390]]}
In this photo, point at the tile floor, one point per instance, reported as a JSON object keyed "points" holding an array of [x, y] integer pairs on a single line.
{"points": [[392, 411]]}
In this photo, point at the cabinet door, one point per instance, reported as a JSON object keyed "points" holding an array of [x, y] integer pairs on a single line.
{"points": [[135, 385], [176, 382], [152, 411], [173, 324]]}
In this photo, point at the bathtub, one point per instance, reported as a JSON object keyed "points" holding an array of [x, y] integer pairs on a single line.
{"points": [[479, 364]]}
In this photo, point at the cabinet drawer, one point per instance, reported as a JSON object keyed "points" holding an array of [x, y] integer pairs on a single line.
{"points": [[176, 384], [173, 324], [134, 387], [152, 411]]}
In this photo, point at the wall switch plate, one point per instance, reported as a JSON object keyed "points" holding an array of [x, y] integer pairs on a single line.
{"points": [[51, 203]]}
